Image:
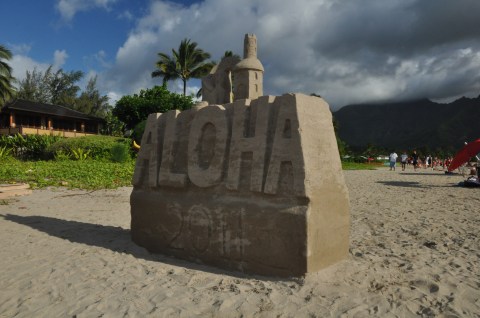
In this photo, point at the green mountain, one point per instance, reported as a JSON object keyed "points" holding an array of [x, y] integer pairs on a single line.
{"points": [[420, 124]]}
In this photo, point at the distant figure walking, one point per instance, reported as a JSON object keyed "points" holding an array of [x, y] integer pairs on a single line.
{"points": [[429, 162], [415, 160], [393, 160], [403, 160]]}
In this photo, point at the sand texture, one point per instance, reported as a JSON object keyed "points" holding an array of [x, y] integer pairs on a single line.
{"points": [[414, 252]]}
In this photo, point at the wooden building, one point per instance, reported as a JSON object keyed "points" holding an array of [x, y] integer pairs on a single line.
{"points": [[32, 118]]}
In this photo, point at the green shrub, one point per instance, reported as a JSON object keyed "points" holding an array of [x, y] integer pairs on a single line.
{"points": [[132, 109], [80, 154], [138, 131], [60, 155], [119, 153], [4, 152], [98, 147], [28, 147]]}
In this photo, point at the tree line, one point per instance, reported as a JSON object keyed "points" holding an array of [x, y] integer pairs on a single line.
{"points": [[61, 88]]}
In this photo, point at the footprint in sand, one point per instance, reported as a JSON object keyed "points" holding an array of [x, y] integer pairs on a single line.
{"points": [[424, 286]]}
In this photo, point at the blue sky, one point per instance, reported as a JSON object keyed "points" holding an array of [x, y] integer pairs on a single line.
{"points": [[37, 29], [348, 51]]}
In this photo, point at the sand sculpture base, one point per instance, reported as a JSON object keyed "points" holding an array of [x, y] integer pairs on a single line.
{"points": [[254, 186]]}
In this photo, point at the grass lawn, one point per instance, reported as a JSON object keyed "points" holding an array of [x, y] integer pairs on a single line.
{"points": [[83, 174], [360, 166]]}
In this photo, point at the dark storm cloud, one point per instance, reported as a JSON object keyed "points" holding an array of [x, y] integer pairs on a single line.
{"points": [[400, 28], [348, 51], [430, 48]]}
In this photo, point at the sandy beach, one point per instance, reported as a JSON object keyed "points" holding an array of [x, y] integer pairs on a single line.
{"points": [[414, 252]]}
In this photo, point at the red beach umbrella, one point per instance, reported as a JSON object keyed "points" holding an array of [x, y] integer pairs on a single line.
{"points": [[468, 151]]}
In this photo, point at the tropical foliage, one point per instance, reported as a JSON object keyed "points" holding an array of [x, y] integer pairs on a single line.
{"points": [[133, 109], [7, 90], [80, 154], [60, 88], [38, 147], [4, 152], [188, 62], [113, 126], [92, 147], [89, 162], [230, 54], [27, 147], [119, 153], [91, 102], [52, 87]]}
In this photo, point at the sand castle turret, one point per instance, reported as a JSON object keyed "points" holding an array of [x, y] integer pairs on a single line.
{"points": [[248, 73], [234, 79]]}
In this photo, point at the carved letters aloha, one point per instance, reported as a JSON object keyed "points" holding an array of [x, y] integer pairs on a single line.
{"points": [[268, 130]]}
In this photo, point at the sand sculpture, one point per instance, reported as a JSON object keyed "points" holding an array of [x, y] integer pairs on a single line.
{"points": [[218, 88], [253, 185]]}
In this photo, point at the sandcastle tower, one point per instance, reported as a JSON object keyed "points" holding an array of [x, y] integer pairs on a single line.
{"points": [[248, 73]]}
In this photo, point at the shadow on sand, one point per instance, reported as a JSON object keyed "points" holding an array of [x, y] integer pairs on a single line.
{"points": [[407, 184], [414, 184], [115, 239], [424, 174]]}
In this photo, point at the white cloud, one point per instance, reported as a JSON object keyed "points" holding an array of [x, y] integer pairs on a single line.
{"points": [[68, 8], [127, 15], [98, 61], [21, 49], [21, 64], [59, 58], [101, 58], [113, 97]]}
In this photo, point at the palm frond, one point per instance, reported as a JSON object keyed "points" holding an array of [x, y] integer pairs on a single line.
{"points": [[187, 62]]}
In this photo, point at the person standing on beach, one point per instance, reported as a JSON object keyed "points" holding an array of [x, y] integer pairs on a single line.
{"points": [[429, 162], [393, 160], [403, 160], [415, 160]]}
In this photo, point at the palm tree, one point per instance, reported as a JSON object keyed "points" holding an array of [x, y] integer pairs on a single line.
{"points": [[188, 62], [6, 79], [230, 54]]}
